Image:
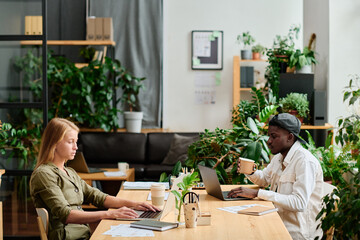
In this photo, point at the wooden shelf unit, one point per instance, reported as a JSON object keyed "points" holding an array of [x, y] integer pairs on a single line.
{"points": [[236, 78], [237, 92], [70, 43]]}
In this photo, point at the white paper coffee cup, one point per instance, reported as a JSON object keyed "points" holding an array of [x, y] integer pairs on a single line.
{"points": [[157, 194]]}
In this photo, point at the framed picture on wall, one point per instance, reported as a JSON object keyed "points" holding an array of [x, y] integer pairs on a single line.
{"points": [[206, 50]]}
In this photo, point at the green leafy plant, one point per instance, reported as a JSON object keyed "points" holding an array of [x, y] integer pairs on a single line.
{"points": [[349, 127], [175, 172], [87, 53], [299, 59], [30, 66], [341, 209], [278, 56], [295, 101], [245, 38], [258, 48], [131, 87], [84, 95], [258, 106], [188, 182], [333, 159], [221, 149], [20, 143], [284, 45]]}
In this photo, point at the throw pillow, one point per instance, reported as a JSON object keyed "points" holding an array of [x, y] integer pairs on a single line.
{"points": [[178, 149]]}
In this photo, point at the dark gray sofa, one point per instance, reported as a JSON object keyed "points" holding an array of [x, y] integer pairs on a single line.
{"points": [[144, 152]]}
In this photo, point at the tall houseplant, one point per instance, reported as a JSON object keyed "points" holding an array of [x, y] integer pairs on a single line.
{"points": [[278, 58], [131, 87]]}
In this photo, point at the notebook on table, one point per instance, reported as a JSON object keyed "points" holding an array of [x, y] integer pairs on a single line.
{"points": [[79, 164], [168, 206], [212, 184], [154, 225]]}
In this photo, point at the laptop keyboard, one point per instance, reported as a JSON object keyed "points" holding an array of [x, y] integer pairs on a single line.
{"points": [[149, 214], [225, 193]]}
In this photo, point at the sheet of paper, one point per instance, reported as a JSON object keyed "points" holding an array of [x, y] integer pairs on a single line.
{"points": [[205, 96], [235, 209], [202, 44], [165, 197], [124, 230], [142, 185], [115, 174]]}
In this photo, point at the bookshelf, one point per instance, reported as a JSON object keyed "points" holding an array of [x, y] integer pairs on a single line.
{"points": [[43, 39], [236, 78]]}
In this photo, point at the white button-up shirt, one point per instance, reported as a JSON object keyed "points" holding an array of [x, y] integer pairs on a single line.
{"points": [[296, 191]]}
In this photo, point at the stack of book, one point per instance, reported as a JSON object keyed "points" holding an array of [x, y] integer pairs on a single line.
{"points": [[99, 29], [33, 25]]}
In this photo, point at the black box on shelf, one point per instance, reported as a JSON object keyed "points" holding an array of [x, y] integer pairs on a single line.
{"points": [[246, 76]]}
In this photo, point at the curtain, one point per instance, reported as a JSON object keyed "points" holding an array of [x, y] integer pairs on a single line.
{"points": [[138, 27]]}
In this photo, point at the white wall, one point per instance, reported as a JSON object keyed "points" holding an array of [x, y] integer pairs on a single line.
{"points": [[316, 20], [344, 52], [264, 19]]}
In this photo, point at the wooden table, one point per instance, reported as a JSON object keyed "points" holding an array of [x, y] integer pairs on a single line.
{"points": [[224, 225], [100, 176]]}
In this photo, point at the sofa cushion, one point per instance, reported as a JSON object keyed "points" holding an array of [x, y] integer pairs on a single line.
{"points": [[153, 171], [178, 149], [110, 148], [158, 145]]}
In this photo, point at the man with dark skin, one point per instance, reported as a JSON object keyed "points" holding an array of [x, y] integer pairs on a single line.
{"points": [[294, 177], [280, 141]]}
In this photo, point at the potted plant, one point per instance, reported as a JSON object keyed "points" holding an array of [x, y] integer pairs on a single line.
{"points": [[247, 40], [131, 86], [278, 57], [302, 61], [257, 51], [296, 104], [188, 182]]}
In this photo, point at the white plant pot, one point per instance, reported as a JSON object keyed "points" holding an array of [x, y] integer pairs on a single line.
{"points": [[133, 121], [304, 69]]}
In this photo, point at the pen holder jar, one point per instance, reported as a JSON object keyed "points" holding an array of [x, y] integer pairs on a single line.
{"points": [[191, 212]]}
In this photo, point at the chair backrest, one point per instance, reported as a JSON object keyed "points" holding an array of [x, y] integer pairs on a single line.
{"points": [[43, 222]]}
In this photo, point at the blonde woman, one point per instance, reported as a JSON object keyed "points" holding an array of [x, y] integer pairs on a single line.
{"points": [[62, 192]]}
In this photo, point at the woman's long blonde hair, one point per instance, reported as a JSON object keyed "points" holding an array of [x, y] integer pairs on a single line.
{"points": [[54, 133]]}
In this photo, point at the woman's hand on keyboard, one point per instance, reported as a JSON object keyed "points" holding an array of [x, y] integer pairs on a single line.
{"points": [[123, 212], [144, 206]]}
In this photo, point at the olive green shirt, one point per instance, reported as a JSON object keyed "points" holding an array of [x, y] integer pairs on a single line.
{"points": [[59, 193]]}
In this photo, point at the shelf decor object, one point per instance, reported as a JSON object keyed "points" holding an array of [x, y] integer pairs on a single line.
{"points": [[207, 50]]}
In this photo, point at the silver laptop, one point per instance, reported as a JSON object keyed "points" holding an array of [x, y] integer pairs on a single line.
{"points": [[168, 206], [212, 184], [79, 164]]}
